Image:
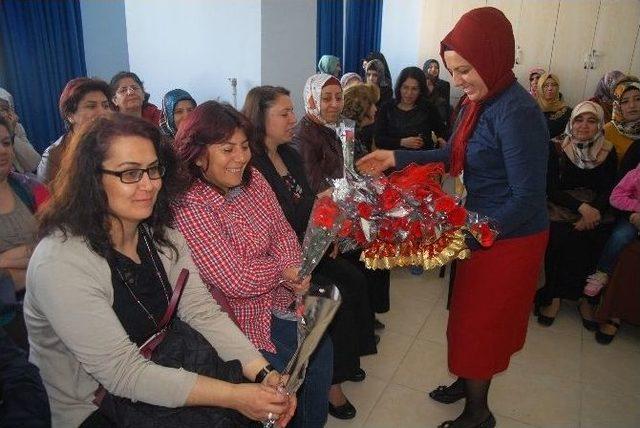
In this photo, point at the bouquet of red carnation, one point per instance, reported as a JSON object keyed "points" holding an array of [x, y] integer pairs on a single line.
{"points": [[406, 219]]}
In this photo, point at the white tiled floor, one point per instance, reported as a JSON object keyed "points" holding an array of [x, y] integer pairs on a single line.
{"points": [[562, 377]]}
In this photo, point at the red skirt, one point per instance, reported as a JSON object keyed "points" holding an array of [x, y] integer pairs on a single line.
{"points": [[492, 298]]}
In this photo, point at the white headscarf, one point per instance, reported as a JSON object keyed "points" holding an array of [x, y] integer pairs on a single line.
{"points": [[5, 95], [312, 90], [586, 154]]}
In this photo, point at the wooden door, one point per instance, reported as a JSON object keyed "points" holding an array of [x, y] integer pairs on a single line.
{"points": [[572, 45], [615, 37], [534, 39]]}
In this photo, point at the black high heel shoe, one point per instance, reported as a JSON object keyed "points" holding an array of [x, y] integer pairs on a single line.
{"points": [[604, 338]]}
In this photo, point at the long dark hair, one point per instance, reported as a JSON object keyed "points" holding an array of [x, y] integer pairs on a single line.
{"points": [[418, 75], [78, 203], [259, 100]]}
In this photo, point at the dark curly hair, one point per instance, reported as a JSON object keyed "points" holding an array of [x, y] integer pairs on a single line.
{"points": [[78, 203], [209, 123]]}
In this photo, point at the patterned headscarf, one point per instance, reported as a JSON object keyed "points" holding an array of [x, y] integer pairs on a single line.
{"points": [[628, 129], [169, 102], [5, 95], [348, 76], [426, 66], [586, 154], [328, 64], [313, 90], [378, 66], [549, 106], [535, 70], [606, 86]]}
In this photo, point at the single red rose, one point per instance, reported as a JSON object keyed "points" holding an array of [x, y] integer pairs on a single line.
{"points": [[484, 234], [415, 230], [386, 235], [359, 237], [422, 193], [445, 204], [457, 217], [345, 228], [390, 198], [365, 210], [325, 213]]}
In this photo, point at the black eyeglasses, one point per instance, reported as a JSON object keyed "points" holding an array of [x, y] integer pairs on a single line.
{"points": [[134, 175]]}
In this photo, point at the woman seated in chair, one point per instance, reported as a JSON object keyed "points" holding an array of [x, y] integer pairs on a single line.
{"points": [[271, 111], [20, 198], [244, 246], [581, 174], [101, 280], [626, 198]]}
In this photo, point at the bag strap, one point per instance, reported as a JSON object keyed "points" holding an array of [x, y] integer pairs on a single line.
{"points": [[148, 347], [175, 298]]}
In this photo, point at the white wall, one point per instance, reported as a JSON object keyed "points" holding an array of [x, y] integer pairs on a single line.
{"points": [[195, 45], [105, 37], [288, 50], [400, 37]]}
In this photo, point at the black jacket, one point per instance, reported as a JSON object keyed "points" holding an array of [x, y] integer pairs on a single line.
{"points": [[297, 214]]}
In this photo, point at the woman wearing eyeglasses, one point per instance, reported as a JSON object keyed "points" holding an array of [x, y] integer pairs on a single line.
{"points": [[129, 97], [101, 279]]}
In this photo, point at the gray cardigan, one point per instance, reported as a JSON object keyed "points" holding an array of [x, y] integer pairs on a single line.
{"points": [[77, 340]]}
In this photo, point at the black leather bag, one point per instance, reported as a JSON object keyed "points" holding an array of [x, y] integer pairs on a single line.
{"points": [[175, 345], [182, 347]]}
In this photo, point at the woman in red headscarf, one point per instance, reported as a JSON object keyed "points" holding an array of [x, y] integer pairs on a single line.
{"points": [[500, 140]]}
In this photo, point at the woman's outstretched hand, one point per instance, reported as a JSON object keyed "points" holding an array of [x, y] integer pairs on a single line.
{"points": [[376, 163]]}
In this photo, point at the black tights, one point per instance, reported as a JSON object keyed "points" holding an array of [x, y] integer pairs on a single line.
{"points": [[476, 408]]}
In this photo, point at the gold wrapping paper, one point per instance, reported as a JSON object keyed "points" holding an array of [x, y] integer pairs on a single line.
{"points": [[428, 255]]}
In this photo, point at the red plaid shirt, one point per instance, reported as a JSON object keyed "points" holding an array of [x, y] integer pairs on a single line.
{"points": [[241, 243]]}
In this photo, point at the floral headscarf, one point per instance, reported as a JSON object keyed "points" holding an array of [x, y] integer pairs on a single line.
{"points": [[378, 66], [606, 86], [535, 70], [549, 106], [628, 129], [586, 154], [312, 90], [348, 76]]}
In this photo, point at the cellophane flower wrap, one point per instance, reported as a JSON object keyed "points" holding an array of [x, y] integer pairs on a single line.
{"points": [[321, 231], [405, 219]]}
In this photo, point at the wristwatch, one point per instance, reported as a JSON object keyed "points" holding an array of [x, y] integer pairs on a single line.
{"points": [[262, 374]]}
